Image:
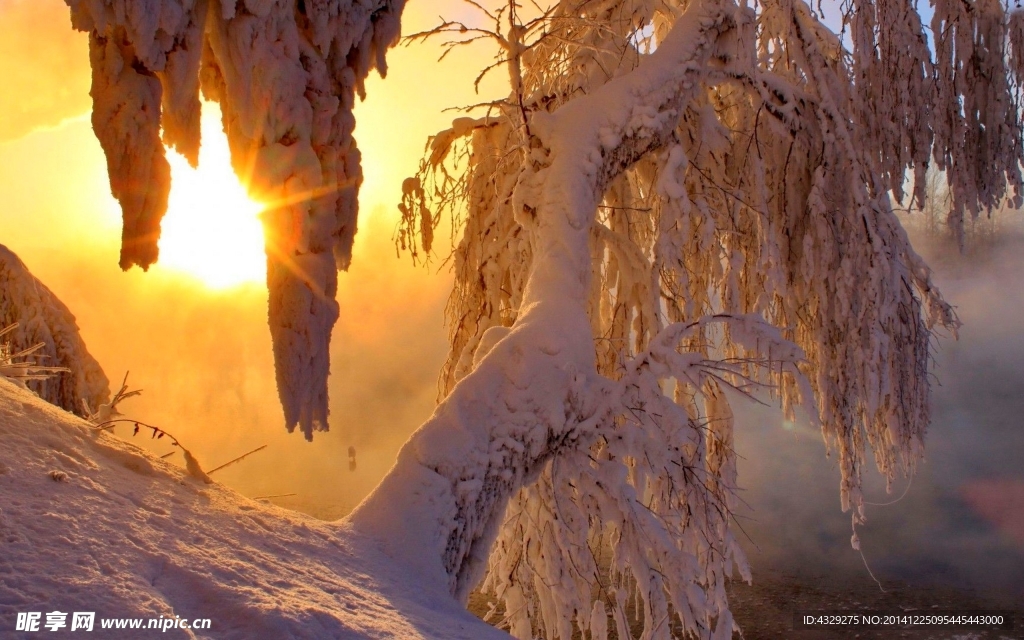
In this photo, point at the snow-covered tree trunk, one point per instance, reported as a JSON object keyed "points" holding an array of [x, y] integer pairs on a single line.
{"points": [[534, 394]]}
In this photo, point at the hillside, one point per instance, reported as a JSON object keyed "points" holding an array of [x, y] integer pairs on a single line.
{"points": [[90, 522]]}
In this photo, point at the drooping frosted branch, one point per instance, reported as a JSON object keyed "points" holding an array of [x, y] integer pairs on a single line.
{"points": [[286, 75], [976, 116]]}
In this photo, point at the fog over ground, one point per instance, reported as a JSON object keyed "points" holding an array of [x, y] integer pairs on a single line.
{"points": [[961, 523], [204, 360]]}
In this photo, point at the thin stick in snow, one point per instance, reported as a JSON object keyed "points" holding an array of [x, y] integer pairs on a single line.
{"points": [[238, 459]]}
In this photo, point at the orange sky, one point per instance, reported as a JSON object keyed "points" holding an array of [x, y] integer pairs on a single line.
{"points": [[203, 356]]}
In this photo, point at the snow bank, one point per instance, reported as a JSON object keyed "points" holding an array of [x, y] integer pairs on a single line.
{"points": [[126, 535]]}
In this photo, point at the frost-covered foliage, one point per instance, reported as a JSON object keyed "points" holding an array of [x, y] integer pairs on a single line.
{"points": [[285, 74], [747, 167], [40, 346]]}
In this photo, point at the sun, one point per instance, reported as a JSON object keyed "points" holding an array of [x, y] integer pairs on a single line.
{"points": [[212, 229]]}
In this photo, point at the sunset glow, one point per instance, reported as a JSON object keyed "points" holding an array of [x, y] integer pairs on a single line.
{"points": [[212, 229]]}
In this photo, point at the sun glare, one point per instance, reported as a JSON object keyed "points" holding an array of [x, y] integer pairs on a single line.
{"points": [[212, 229]]}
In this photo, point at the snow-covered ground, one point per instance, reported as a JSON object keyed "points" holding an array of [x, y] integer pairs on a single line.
{"points": [[91, 523]]}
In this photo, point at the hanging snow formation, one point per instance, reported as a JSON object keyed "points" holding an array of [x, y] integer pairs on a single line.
{"points": [[285, 74], [42, 317]]}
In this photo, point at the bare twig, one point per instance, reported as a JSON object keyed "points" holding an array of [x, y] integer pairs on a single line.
{"points": [[191, 464], [238, 459]]}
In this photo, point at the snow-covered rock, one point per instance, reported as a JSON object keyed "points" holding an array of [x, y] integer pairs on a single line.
{"points": [[42, 317], [89, 522]]}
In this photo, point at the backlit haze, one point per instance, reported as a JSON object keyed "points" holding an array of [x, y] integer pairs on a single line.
{"points": [[193, 334], [212, 229], [192, 331]]}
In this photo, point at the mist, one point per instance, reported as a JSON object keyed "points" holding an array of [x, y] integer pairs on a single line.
{"points": [[203, 357], [959, 525]]}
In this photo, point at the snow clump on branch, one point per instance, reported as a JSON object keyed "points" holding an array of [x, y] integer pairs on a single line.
{"points": [[285, 74]]}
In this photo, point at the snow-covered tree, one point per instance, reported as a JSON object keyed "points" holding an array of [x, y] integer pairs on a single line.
{"points": [[675, 199]]}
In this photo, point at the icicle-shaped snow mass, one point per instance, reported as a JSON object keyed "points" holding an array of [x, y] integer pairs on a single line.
{"points": [[285, 74], [42, 318]]}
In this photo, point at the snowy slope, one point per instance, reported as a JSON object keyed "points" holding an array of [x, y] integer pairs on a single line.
{"points": [[125, 534]]}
